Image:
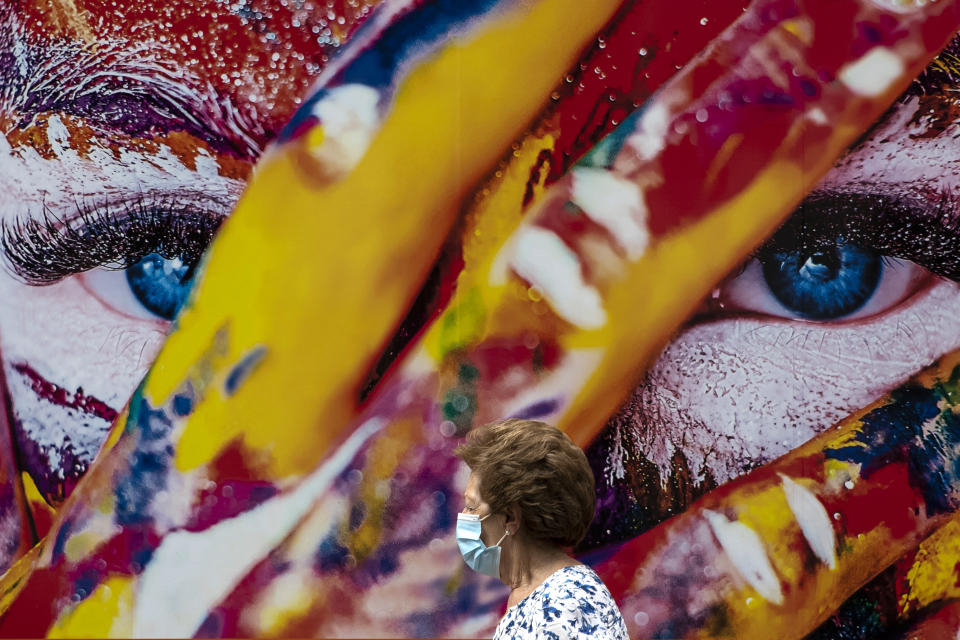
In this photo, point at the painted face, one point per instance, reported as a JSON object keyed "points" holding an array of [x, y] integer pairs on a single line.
{"points": [[126, 141], [855, 293], [129, 131]]}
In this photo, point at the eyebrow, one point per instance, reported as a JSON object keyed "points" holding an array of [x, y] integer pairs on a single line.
{"points": [[117, 88]]}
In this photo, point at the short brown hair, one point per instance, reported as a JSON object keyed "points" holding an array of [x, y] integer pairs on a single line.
{"points": [[537, 467]]}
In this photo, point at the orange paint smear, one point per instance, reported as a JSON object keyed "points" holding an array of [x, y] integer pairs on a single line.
{"points": [[64, 18], [83, 139]]}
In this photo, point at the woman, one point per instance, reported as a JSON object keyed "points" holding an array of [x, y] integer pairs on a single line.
{"points": [[531, 490]]}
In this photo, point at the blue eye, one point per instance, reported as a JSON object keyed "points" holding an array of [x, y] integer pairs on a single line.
{"points": [[161, 285], [824, 283]]}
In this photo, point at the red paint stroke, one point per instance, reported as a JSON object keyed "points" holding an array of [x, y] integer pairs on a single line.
{"points": [[39, 596], [887, 500], [629, 61], [57, 395], [232, 491], [495, 358]]}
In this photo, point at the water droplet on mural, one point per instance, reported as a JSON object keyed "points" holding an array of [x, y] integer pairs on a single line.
{"points": [[448, 428]]}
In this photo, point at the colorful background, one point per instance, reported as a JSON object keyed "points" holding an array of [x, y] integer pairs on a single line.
{"points": [[713, 242]]}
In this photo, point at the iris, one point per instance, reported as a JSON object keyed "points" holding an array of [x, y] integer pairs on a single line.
{"points": [[823, 283], [160, 284]]}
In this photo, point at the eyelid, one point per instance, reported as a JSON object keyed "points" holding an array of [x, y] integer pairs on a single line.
{"points": [[44, 250], [923, 230]]}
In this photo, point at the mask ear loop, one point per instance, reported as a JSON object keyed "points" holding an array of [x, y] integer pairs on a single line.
{"points": [[505, 533]]}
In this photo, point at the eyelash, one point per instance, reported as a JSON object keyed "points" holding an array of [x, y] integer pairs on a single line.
{"points": [[890, 226], [43, 251]]}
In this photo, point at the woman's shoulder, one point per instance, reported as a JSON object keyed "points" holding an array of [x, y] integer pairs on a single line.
{"points": [[577, 582], [571, 603], [576, 604]]}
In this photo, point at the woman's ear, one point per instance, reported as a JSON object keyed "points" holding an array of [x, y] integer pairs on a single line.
{"points": [[514, 519]]}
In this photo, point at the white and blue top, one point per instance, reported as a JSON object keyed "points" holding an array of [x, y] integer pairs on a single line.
{"points": [[572, 604]]}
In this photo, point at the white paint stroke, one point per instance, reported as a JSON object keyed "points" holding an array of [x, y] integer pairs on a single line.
{"points": [[814, 520], [650, 137], [873, 73], [190, 572], [541, 258], [616, 204], [746, 551]]}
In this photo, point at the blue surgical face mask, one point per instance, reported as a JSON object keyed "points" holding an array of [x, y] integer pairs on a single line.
{"points": [[478, 556]]}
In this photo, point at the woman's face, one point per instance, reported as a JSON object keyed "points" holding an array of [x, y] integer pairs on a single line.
{"points": [[142, 144], [857, 292], [473, 503], [136, 125]]}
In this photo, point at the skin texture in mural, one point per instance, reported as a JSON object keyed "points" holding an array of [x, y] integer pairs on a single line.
{"points": [[855, 294], [780, 349]]}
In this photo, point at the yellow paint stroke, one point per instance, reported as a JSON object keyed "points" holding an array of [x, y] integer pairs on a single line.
{"points": [[284, 600], [499, 205], [696, 258], [34, 498], [115, 432], [105, 613], [495, 214], [934, 574], [321, 252]]}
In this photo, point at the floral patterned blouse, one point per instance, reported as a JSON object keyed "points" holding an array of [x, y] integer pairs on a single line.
{"points": [[573, 603]]}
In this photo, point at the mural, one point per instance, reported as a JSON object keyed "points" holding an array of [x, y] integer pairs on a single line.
{"points": [[728, 225]]}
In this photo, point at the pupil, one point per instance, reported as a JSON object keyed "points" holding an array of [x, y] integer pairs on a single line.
{"points": [[821, 266], [823, 284]]}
